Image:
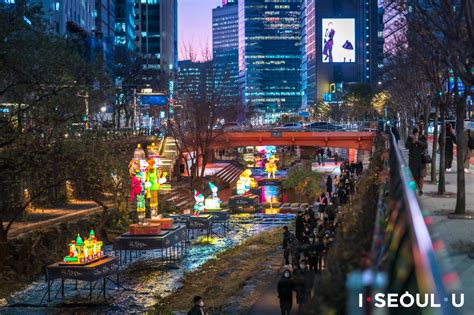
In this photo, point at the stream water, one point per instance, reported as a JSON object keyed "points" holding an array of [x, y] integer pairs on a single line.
{"points": [[145, 279]]}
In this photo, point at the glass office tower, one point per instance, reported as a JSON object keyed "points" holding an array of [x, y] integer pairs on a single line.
{"points": [[270, 56], [225, 52]]}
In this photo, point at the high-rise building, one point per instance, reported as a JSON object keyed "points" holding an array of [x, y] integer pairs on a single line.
{"points": [[70, 16], [124, 25], [308, 53], [225, 51], [348, 46], [105, 29], [92, 21], [156, 39], [195, 80], [270, 56]]}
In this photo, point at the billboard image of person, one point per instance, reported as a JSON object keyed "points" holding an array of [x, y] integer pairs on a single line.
{"points": [[338, 40]]}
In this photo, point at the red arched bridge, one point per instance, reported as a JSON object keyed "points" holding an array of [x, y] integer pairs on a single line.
{"points": [[338, 139]]}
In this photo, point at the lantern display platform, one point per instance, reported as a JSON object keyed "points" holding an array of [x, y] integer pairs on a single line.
{"points": [[219, 214], [148, 229], [147, 242], [166, 223], [249, 200], [270, 181], [253, 191], [102, 268]]}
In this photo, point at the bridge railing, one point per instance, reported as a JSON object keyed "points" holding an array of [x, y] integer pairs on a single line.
{"points": [[311, 127], [406, 258]]}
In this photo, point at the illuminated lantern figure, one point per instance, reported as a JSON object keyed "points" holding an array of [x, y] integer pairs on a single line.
{"points": [[137, 168], [84, 251], [244, 183], [199, 205], [271, 167], [213, 202], [152, 186]]}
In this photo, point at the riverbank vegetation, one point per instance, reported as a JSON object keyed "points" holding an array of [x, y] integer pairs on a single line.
{"points": [[229, 283]]}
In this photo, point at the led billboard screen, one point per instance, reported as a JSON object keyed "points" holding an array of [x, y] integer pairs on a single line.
{"points": [[338, 40]]}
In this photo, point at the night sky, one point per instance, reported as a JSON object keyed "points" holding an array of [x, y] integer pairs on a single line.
{"points": [[195, 25]]}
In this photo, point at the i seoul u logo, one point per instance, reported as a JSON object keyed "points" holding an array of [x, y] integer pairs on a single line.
{"points": [[406, 300]]}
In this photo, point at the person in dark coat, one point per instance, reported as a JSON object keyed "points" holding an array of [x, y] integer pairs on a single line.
{"points": [[336, 157], [285, 292], [299, 226], [449, 148], [329, 184], [286, 244], [299, 284], [197, 309], [416, 145]]}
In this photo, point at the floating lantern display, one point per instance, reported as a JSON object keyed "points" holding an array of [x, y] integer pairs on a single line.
{"points": [[152, 185], [199, 205], [245, 182], [213, 202], [137, 170], [271, 167], [87, 251], [267, 151]]}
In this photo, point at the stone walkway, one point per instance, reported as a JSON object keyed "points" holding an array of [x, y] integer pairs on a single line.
{"points": [[457, 234], [53, 216]]}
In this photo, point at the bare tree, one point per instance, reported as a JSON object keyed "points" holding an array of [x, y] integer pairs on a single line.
{"points": [[194, 124]]}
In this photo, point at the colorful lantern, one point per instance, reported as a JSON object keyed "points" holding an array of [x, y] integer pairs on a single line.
{"points": [[81, 252], [152, 186], [213, 202], [137, 169], [244, 183], [271, 167], [199, 205]]}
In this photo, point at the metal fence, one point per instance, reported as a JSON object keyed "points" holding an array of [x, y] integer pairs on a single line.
{"points": [[406, 258]]}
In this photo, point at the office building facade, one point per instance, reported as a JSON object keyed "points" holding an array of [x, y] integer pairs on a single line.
{"points": [[195, 81], [308, 53], [225, 52], [270, 56], [156, 39], [124, 25], [105, 30]]}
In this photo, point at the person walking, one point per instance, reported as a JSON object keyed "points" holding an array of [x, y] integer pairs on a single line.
{"points": [[322, 206], [328, 153], [299, 226], [197, 309], [286, 245], [299, 285], [336, 157], [468, 141], [416, 145], [329, 184], [449, 148], [321, 152], [285, 292]]}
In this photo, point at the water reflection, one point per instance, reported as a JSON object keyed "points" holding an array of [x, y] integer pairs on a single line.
{"points": [[145, 278]]}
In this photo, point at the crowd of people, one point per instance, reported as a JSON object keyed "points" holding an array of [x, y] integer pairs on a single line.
{"points": [[305, 251]]}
